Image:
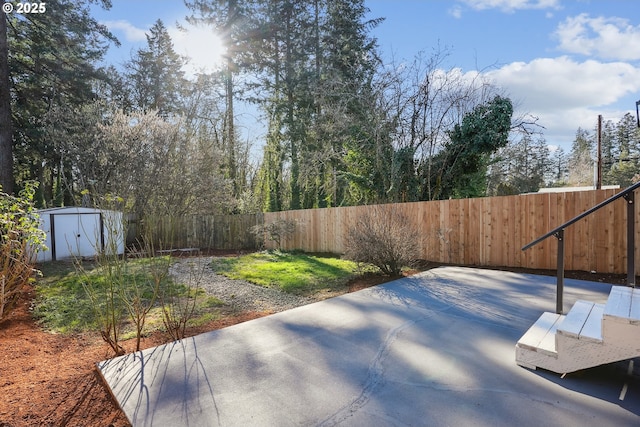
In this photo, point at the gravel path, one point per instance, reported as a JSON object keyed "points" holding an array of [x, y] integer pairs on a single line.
{"points": [[240, 295]]}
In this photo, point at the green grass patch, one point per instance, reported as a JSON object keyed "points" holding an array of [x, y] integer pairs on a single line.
{"points": [[292, 272], [63, 304]]}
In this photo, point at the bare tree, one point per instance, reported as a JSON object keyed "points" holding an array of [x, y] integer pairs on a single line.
{"points": [[159, 166], [425, 101]]}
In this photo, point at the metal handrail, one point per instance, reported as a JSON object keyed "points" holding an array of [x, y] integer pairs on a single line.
{"points": [[582, 215], [558, 232]]}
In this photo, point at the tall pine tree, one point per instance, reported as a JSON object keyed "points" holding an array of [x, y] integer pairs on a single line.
{"points": [[53, 61], [156, 78]]}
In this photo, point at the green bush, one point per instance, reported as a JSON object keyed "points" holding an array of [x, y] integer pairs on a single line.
{"points": [[20, 240]]}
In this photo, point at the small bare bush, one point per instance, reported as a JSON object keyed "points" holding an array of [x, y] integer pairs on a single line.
{"points": [[178, 301], [385, 238], [107, 290], [276, 231], [177, 308]]}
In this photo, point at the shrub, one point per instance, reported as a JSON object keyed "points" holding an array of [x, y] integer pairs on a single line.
{"points": [[276, 231], [385, 238], [20, 240], [178, 307]]}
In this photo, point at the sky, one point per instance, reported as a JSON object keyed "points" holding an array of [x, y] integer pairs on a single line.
{"points": [[564, 62]]}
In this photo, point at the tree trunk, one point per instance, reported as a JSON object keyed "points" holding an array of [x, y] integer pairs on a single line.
{"points": [[232, 15], [6, 143], [230, 134]]}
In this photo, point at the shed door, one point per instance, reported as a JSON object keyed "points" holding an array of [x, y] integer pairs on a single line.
{"points": [[76, 235]]}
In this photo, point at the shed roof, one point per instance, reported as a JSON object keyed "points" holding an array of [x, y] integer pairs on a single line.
{"points": [[71, 210]]}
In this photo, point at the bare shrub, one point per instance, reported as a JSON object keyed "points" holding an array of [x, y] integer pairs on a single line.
{"points": [[103, 291], [139, 298], [276, 231], [121, 290], [177, 308], [106, 280], [178, 301], [385, 238]]}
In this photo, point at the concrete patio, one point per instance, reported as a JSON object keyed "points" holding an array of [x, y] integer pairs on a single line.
{"points": [[436, 349]]}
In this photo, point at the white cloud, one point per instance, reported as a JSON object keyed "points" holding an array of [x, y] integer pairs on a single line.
{"points": [[566, 94], [608, 38], [131, 32], [561, 82], [456, 11], [512, 5], [200, 44]]}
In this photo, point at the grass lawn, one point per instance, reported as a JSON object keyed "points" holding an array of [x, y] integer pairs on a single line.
{"points": [[63, 304], [292, 272]]}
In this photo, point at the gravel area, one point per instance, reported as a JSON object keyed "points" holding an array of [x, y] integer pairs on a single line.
{"points": [[238, 294]]}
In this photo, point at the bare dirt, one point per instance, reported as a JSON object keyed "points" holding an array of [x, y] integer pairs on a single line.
{"points": [[51, 380]]}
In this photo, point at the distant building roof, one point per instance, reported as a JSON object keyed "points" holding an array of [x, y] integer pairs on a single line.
{"points": [[569, 189]]}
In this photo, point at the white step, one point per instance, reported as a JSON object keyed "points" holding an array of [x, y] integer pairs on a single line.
{"points": [[584, 321], [589, 335], [623, 304], [541, 335]]}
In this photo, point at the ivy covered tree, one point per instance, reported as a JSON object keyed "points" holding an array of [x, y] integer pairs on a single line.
{"points": [[461, 167]]}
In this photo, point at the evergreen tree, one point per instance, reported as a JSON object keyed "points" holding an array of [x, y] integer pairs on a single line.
{"points": [[156, 78], [351, 59], [52, 62], [625, 168], [559, 173], [609, 147], [520, 167], [317, 63], [580, 161]]}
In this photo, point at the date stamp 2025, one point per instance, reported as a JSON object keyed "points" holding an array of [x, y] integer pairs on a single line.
{"points": [[24, 8]]}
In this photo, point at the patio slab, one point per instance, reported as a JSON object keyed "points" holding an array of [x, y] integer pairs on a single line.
{"points": [[435, 349]]}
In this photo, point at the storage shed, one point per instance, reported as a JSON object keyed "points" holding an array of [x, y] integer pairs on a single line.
{"points": [[80, 232]]}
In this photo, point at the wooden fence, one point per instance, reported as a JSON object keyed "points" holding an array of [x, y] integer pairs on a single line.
{"points": [[221, 232], [489, 231]]}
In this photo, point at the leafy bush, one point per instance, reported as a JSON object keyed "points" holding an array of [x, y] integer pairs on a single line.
{"points": [[385, 238], [20, 240]]}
